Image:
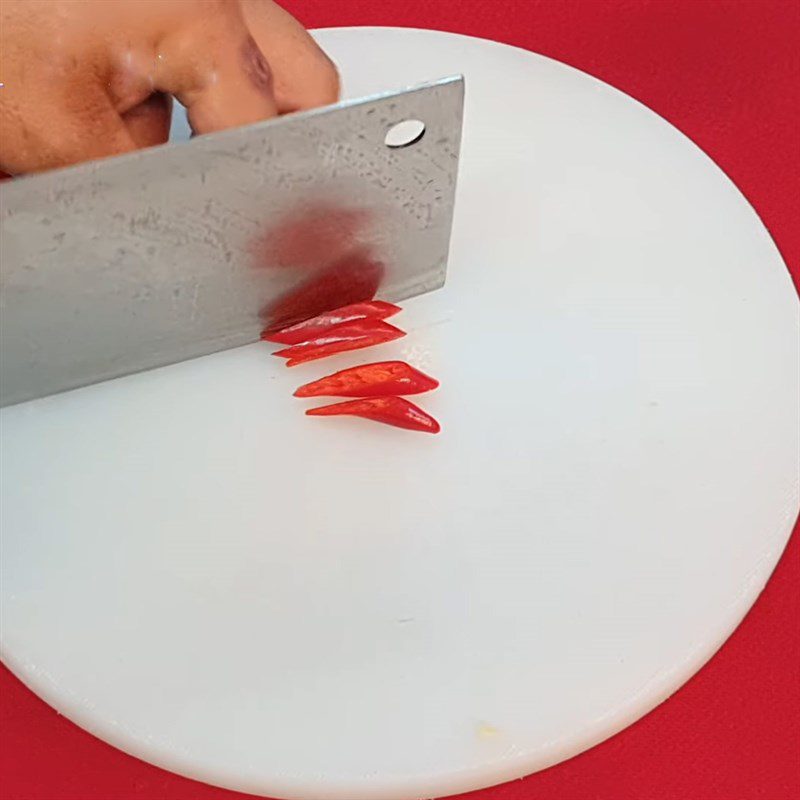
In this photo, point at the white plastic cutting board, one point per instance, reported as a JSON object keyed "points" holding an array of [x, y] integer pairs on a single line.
{"points": [[336, 610]]}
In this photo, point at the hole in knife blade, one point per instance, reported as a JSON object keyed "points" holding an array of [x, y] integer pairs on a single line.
{"points": [[405, 133]]}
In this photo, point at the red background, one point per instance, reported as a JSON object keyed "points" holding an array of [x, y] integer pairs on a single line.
{"points": [[728, 75]]}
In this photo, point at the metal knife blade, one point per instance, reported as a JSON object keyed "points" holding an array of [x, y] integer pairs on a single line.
{"points": [[142, 260]]}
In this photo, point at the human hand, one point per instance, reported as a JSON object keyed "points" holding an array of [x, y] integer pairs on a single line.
{"points": [[84, 79]]}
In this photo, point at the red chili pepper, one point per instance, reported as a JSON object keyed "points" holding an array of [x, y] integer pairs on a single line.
{"points": [[339, 339], [353, 279], [395, 411], [371, 380], [316, 326]]}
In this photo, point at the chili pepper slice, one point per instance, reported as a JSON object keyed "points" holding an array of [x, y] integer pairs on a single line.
{"points": [[353, 279], [311, 328], [371, 380], [341, 338], [395, 411]]}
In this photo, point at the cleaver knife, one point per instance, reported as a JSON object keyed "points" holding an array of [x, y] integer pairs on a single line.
{"points": [[142, 260]]}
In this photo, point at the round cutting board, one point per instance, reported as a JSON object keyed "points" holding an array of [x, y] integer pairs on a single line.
{"points": [[334, 610]]}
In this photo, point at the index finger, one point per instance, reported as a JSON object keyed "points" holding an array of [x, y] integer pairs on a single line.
{"points": [[304, 77]]}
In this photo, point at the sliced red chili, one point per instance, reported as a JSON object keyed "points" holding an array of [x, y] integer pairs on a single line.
{"points": [[371, 380], [316, 326], [341, 338], [353, 279], [395, 411]]}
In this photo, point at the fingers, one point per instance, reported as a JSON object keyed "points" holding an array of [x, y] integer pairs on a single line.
{"points": [[72, 121], [240, 62], [62, 126], [148, 123], [92, 80], [53, 110], [213, 66], [304, 77]]}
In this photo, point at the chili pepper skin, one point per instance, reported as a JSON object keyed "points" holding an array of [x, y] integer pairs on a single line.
{"points": [[316, 326], [340, 339], [371, 380], [395, 411]]}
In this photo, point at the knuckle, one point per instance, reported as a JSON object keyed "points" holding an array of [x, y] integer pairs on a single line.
{"points": [[322, 82]]}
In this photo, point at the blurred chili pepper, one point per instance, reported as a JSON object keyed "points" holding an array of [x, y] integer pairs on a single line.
{"points": [[371, 380], [316, 326], [353, 279], [395, 411], [339, 339]]}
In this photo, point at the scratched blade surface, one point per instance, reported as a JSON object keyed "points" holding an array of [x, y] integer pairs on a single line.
{"points": [[147, 259]]}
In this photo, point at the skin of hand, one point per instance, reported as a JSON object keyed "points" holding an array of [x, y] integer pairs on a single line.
{"points": [[84, 79]]}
